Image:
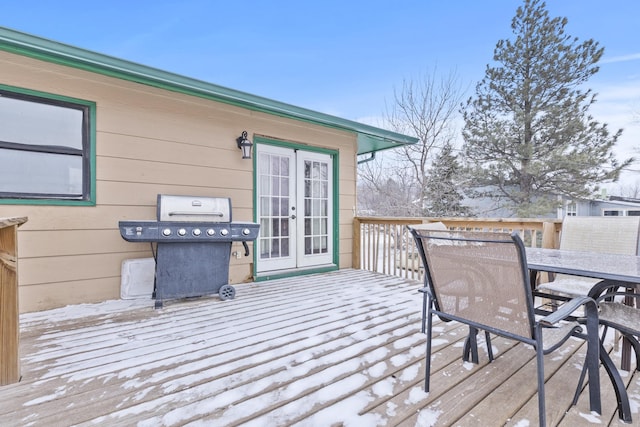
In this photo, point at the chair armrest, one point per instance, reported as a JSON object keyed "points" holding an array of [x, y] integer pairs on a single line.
{"points": [[426, 290], [566, 309]]}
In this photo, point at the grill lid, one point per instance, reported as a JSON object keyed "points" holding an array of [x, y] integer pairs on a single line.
{"points": [[193, 209]]}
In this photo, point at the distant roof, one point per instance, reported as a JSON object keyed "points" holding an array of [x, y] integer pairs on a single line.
{"points": [[370, 138], [624, 199]]}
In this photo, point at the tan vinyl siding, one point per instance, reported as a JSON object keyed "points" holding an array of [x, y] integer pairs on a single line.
{"points": [[148, 141]]}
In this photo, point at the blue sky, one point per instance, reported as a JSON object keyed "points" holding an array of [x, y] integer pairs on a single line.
{"points": [[339, 57]]}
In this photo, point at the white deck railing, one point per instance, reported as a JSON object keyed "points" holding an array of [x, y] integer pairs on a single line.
{"points": [[386, 246]]}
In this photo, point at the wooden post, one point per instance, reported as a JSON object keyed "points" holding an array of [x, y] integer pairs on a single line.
{"points": [[9, 310], [355, 253], [549, 235]]}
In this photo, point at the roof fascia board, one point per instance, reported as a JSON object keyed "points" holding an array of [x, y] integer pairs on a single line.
{"points": [[46, 50]]}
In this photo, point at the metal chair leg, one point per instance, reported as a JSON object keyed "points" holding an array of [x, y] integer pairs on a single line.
{"points": [[583, 374], [624, 411], [636, 348], [424, 309], [542, 416], [429, 331], [487, 338], [470, 349]]}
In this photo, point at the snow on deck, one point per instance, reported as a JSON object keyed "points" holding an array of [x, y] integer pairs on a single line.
{"points": [[341, 348], [281, 351]]}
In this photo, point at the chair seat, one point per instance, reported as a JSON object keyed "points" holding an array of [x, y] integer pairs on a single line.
{"points": [[569, 285], [623, 317]]}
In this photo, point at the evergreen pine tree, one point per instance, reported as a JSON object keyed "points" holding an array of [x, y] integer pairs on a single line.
{"points": [[442, 186], [528, 133]]}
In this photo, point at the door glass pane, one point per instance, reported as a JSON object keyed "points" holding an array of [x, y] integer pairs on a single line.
{"points": [[264, 204], [275, 165], [275, 248], [316, 201], [274, 205], [264, 248], [265, 185]]}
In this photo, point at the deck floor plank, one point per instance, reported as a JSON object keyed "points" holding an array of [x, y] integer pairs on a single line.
{"points": [[516, 400]]}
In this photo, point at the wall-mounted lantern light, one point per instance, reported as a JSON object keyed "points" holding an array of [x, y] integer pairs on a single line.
{"points": [[245, 145]]}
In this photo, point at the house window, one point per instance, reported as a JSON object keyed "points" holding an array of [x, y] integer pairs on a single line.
{"points": [[45, 147], [612, 212], [572, 209], [633, 213]]}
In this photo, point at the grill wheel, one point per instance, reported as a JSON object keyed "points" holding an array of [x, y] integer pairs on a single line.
{"points": [[227, 292]]}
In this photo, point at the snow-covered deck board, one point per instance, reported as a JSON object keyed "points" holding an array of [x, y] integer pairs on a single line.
{"points": [[341, 348]]}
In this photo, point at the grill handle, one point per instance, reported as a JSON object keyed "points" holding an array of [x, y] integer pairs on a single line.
{"points": [[172, 213]]}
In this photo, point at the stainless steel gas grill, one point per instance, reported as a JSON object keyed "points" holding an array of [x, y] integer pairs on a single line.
{"points": [[193, 237]]}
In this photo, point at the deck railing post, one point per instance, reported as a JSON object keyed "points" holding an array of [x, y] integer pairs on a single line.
{"points": [[357, 235], [549, 235], [9, 309]]}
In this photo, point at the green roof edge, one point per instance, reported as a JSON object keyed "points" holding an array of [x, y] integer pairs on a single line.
{"points": [[370, 138]]}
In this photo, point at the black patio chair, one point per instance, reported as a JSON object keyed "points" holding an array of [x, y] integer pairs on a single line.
{"points": [[481, 279]]}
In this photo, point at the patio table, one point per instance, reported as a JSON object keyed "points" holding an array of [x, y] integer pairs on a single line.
{"points": [[613, 267]]}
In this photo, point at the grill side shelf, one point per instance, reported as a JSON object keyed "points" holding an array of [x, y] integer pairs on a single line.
{"points": [[139, 231], [238, 230]]}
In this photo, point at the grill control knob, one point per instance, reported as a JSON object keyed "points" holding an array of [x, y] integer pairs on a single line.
{"points": [[182, 232], [166, 232], [246, 231], [196, 232], [211, 232], [224, 232]]}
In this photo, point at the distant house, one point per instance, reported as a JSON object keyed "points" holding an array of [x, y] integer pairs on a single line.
{"points": [[605, 206], [87, 140], [601, 206]]}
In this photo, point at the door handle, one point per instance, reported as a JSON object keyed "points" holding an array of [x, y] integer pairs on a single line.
{"points": [[293, 217]]}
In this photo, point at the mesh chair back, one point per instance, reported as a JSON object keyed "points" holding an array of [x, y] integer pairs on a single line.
{"points": [[479, 276], [615, 235]]}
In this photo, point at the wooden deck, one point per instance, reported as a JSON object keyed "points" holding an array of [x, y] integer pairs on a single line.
{"points": [[342, 348]]}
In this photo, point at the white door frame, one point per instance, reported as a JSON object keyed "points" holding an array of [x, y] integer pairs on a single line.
{"points": [[294, 199]]}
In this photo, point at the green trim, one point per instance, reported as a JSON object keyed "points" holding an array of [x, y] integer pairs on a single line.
{"points": [[335, 159], [293, 146], [302, 272], [256, 248], [370, 138], [91, 201], [336, 210]]}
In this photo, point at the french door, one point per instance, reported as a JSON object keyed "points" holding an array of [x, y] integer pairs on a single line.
{"points": [[295, 208]]}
